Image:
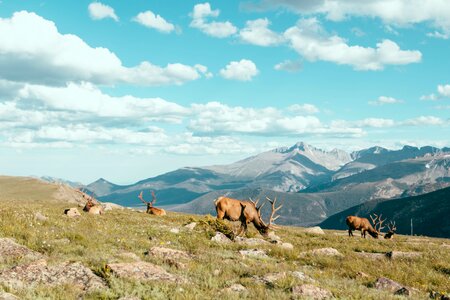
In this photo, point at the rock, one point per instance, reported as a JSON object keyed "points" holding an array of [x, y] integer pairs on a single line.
{"points": [[111, 206], [142, 271], [250, 241], [387, 284], [400, 255], [302, 276], [10, 250], [370, 255], [314, 230], [216, 272], [190, 226], [175, 230], [310, 291], [287, 246], [72, 212], [38, 272], [271, 278], [237, 288], [361, 274], [221, 238], [8, 296], [273, 237], [129, 256], [326, 252], [170, 256], [40, 217], [254, 253]]}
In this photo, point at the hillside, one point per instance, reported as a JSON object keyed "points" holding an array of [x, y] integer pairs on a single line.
{"points": [[429, 213], [60, 259]]}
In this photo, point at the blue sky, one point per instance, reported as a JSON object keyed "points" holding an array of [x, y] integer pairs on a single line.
{"points": [[129, 90]]}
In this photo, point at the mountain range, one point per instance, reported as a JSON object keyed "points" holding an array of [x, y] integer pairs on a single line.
{"points": [[313, 184]]}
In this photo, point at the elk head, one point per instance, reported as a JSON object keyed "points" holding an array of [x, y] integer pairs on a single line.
{"points": [[150, 208], [392, 229]]}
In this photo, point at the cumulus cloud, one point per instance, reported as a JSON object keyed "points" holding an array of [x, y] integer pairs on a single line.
{"points": [[49, 57], [439, 35], [256, 32], [443, 91], [310, 40], [424, 121], [243, 70], [152, 20], [382, 100], [200, 16], [289, 66], [307, 109], [99, 11], [217, 119], [394, 12]]}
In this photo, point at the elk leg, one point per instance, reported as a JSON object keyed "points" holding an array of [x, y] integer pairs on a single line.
{"points": [[350, 232], [220, 214], [243, 228]]}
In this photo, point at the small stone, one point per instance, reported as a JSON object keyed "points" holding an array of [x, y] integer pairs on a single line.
{"points": [[310, 291], [40, 217], [287, 246], [72, 212], [237, 288], [254, 253], [221, 238], [175, 230], [362, 275], [9, 249], [387, 284], [326, 252], [250, 241], [216, 272], [272, 236], [314, 230], [302, 276], [8, 296], [141, 271], [190, 226], [111, 206], [270, 278], [400, 255]]}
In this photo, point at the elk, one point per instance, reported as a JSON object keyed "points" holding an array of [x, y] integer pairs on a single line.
{"points": [[363, 224], [150, 208], [246, 212], [91, 207], [392, 229]]}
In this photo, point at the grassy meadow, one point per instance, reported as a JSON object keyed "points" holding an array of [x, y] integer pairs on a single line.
{"points": [[97, 240]]}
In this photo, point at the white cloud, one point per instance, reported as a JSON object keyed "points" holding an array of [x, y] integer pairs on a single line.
{"points": [[217, 119], [307, 109], [443, 91], [256, 32], [394, 12], [99, 11], [382, 100], [151, 20], [311, 41], [243, 70], [200, 15], [289, 66], [439, 35], [424, 121], [48, 57]]}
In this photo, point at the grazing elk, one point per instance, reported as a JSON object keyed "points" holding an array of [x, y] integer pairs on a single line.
{"points": [[246, 212], [91, 206], [363, 224], [392, 229], [150, 208]]}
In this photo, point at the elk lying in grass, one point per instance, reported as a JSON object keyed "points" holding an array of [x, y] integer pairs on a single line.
{"points": [[246, 212], [150, 208], [91, 206], [392, 229], [363, 224]]}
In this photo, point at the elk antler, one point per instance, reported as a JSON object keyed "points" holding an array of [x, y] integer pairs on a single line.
{"points": [[392, 226], [142, 197], [272, 217], [153, 198], [256, 203], [377, 222]]}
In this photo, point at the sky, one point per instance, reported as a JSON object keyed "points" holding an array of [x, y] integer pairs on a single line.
{"points": [[127, 90]]}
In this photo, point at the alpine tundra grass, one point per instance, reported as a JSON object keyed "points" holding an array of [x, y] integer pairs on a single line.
{"points": [[98, 240]]}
